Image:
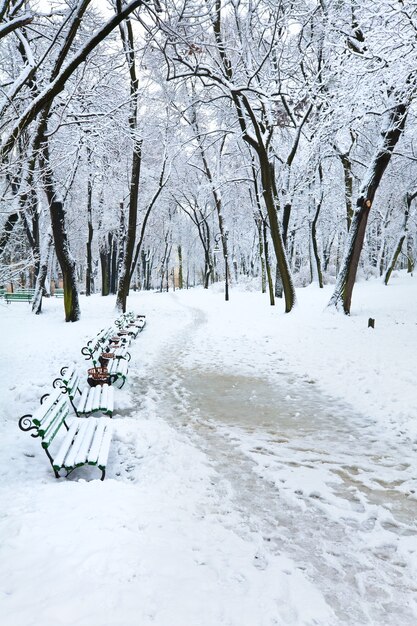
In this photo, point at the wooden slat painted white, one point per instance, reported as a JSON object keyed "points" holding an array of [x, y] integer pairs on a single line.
{"points": [[105, 447], [41, 412], [82, 454], [65, 445], [69, 460], [96, 445], [83, 400], [110, 400], [104, 397], [55, 416]]}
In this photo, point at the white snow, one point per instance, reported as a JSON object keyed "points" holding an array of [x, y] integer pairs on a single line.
{"points": [[262, 470]]}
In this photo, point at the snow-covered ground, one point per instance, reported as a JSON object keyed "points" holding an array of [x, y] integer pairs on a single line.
{"points": [[262, 470]]}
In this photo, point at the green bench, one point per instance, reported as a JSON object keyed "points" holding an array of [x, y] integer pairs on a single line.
{"points": [[59, 293], [131, 323], [20, 295], [85, 400], [117, 365], [69, 444]]}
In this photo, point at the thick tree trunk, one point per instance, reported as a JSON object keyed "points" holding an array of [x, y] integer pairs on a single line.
{"points": [[348, 179], [342, 295], [66, 262], [105, 266], [62, 248], [269, 193]]}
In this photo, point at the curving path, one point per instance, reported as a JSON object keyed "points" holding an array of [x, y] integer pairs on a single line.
{"points": [[309, 475]]}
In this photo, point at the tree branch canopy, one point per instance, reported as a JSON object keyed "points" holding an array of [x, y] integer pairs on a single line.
{"points": [[57, 85]]}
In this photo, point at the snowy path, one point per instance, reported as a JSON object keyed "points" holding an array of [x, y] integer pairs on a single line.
{"points": [[310, 476], [238, 493]]}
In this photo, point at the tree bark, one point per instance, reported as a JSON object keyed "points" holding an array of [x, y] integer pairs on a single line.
{"points": [[408, 200], [7, 230], [267, 264], [62, 248], [126, 32], [105, 252], [41, 277], [342, 295], [124, 278], [314, 232], [89, 286]]}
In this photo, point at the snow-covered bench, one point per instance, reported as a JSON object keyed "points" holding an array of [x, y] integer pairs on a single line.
{"points": [[69, 444], [117, 364], [133, 323], [85, 400]]}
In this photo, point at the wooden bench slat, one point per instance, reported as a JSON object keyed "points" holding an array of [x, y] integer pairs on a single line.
{"points": [[82, 455], [65, 445], [94, 451], [83, 400], [41, 413], [72, 384], [104, 397], [105, 447], [69, 460], [120, 353], [110, 401], [93, 401], [52, 424]]}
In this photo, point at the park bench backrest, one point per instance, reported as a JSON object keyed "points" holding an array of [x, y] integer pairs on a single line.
{"points": [[71, 380], [50, 416], [96, 346]]}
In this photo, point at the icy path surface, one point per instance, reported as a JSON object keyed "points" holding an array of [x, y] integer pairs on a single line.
{"points": [[313, 477]]}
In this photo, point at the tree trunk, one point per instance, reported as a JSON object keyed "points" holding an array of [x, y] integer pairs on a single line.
{"points": [[267, 264], [126, 270], [113, 263], [62, 248], [342, 295], [89, 288], [270, 197], [180, 270], [66, 262], [348, 179], [124, 279], [7, 230], [410, 256], [316, 255], [261, 255], [41, 277], [408, 200], [105, 266]]}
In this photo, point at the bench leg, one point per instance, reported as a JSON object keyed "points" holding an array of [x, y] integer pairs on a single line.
{"points": [[52, 463], [102, 469]]}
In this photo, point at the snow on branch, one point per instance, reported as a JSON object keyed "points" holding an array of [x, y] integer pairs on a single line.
{"points": [[46, 96], [17, 22]]}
